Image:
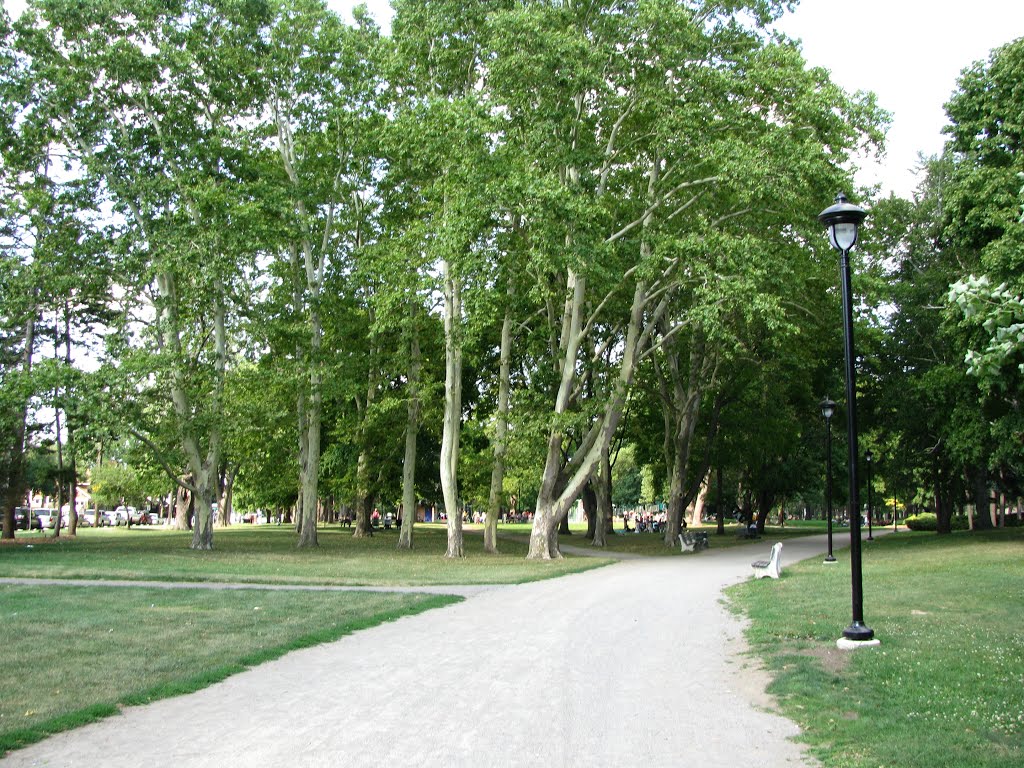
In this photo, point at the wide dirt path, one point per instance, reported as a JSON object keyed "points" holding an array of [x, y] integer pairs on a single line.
{"points": [[635, 664]]}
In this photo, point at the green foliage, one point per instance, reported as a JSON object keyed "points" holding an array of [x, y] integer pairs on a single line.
{"points": [[927, 521], [1000, 312], [112, 484]]}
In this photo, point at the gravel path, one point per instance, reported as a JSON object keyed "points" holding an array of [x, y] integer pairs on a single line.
{"points": [[635, 664]]}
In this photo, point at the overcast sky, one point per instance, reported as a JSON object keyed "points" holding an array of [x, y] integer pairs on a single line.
{"points": [[909, 52]]}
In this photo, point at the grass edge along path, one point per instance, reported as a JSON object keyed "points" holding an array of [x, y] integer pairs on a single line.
{"points": [[946, 685], [194, 639]]}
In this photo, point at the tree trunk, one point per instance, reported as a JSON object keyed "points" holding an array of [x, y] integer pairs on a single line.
{"points": [[183, 508], [684, 405], [559, 489], [983, 515], [226, 496], [364, 494], [603, 487], [60, 478], [202, 528], [412, 425], [700, 502], [500, 433], [943, 505], [72, 470], [589, 500], [765, 501], [719, 506], [15, 471], [452, 410]]}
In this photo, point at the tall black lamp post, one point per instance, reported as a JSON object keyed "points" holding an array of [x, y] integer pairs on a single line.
{"points": [[868, 458], [828, 407], [842, 221]]}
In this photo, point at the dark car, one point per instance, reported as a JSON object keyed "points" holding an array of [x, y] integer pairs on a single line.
{"points": [[21, 520]]}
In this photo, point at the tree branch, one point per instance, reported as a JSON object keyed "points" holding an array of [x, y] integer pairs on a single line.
{"points": [[163, 462]]}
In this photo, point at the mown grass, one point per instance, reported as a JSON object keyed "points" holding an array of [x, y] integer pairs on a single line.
{"points": [[946, 686], [76, 654], [268, 554]]}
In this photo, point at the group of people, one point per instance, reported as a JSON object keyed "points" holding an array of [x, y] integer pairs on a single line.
{"points": [[645, 521]]}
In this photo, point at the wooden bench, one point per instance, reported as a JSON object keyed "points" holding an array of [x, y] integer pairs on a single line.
{"points": [[772, 567], [693, 542]]}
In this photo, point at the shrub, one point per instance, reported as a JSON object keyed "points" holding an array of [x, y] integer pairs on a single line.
{"points": [[923, 521], [927, 521]]}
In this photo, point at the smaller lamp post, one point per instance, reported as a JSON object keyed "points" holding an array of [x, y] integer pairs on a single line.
{"points": [[868, 458], [894, 510], [828, 408]]}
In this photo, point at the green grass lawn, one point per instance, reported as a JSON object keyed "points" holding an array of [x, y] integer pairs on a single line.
{"points": [[946, 686], [75, 654], [267, 554]]}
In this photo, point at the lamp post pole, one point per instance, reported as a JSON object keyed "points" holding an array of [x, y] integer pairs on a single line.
{"points": [[868, 458], [842, 221], [828, 407], [894, 510]]}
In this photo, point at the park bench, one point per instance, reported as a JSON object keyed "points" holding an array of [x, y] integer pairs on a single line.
{"points": [[693, 542], [772, 567]]}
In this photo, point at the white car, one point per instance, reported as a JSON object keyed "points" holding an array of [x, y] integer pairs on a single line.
{"points": [[90, 518], [47, 517], [122, 515]]}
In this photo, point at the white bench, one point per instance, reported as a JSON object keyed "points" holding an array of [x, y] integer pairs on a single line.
{"points": [[690, 542], [772, 567]]}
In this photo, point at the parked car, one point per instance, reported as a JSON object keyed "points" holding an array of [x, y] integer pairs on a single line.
{"points": [[123, 514], [47, 517], [25, 519], [90, 519]]}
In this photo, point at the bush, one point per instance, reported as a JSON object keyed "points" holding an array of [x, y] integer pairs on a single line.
{"points": [[927, 521], [923, 521]]}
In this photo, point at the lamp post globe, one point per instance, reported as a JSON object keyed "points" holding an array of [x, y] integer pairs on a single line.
{"points": [[828, 408], [842, 220]]}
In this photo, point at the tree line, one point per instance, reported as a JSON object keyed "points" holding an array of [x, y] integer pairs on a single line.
{"points": [[306, 263]]}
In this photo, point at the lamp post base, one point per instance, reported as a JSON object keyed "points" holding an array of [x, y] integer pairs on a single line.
{"points": [[844, 644], [858, 633], [829, 559]]}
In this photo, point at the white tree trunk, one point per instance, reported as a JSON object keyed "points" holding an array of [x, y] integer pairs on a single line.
{"points": [[452, 411], [500, 436], [561, 486], [412, 422]]}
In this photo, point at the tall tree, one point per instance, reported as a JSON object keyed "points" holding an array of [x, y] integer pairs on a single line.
{"points": [[145, 98], [645, 134], [320, 90]]}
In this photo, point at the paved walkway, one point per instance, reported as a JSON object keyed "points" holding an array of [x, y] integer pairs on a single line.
{"points": [[635, 664]]}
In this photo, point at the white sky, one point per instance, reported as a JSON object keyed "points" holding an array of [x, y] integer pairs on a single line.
{"points": [[909, 52]]}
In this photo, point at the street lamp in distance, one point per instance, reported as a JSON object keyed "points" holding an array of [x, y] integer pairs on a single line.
{"points": [[868, 458], [828, 409]]}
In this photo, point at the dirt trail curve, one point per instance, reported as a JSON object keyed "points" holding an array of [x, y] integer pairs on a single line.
{"points": [[635, 664]]}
